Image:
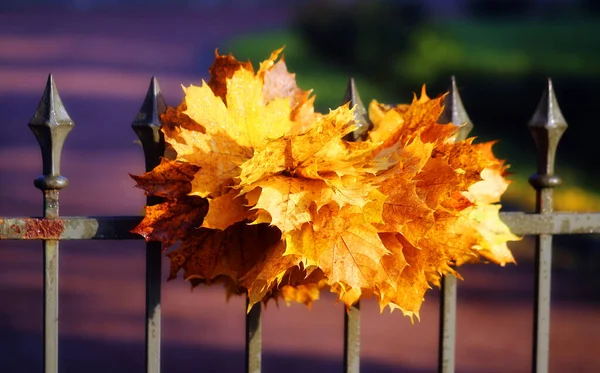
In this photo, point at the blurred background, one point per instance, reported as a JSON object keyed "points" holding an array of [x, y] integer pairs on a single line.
{"points": [[104, 52]]}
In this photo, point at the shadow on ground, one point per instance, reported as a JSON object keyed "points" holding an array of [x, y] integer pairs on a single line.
{"points": [[86, 355]]}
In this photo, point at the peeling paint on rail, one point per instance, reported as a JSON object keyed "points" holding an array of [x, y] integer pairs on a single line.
{"points": [[44, 229], [119, 227], [70, 228]]}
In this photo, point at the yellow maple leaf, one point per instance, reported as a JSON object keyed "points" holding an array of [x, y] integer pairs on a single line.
{"points": [[343, 244], [317, 166], [484, 217], [219, 155], [298, 154], [287, 200], [225, 210], [269, 198], [222, 69], [301, 286]]}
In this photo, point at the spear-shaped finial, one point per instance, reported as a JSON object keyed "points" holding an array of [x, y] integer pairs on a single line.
{"points": [[51, 124], [147, 125], [455, 113], [547, 127], [361, 114]]}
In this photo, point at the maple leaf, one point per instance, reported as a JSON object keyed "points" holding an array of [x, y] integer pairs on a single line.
{"points": [[179, 214], [403, 203], [301, 286], [169, 221], [226, 120], [230, 119], [250, 256], [317, 166], [246, 117], [222, 69], [174, 118], [170, 179], [306, 294], [484, 217], [343, 244], [268, 197], [225, 210], [287, 200], [386, 121], [405, 269], [270, 273], [279, 83], [299, 152], [439, 196]]}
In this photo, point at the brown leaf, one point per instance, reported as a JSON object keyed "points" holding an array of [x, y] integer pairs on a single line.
{"points": [[172, 220], [222, 69], [225, 210], [170, 179], [250, 255]]}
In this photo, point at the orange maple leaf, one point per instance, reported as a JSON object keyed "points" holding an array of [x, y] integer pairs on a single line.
{"points": [[268, 197]]}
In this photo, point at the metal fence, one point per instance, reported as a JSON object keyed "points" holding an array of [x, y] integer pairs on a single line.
{"points": [[51, 125]]}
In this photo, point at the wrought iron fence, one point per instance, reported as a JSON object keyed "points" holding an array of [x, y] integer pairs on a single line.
{"points": [[51, 124]]}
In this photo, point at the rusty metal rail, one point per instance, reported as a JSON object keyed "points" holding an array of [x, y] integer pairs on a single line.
{"points": [[119, 227], [51, 125]]}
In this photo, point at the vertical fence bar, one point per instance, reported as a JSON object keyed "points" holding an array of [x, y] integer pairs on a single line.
{"points": [[547, 126], [447, 338], [147, 126], [51, 124], [253, 338], [352, 339], [455, 113], [352, 315]]}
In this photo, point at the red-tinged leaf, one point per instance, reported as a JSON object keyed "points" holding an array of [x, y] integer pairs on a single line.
{"points": [[172, 220], [170, 179]]}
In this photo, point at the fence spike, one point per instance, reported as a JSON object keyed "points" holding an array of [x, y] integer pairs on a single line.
{"points": [[352, 339], [455, 113], [147, 125], [547, 127], [253, 353], [361, 114], [51, 124]]}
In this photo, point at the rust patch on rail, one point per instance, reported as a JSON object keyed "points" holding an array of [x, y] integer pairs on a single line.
{"points": [[44, 229], [2, 236], [15, 228]]}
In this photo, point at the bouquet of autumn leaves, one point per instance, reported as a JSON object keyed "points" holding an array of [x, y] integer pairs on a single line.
{"points": [[268, 197]]}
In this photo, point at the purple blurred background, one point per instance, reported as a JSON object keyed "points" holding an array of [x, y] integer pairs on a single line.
{"points": [[102, 60]]}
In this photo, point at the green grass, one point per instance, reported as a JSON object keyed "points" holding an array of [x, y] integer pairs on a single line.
{"points": [[568, 47]]}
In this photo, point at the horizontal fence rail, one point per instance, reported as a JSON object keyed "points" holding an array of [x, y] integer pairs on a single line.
{"points": [[119, 227], [51, 125]]}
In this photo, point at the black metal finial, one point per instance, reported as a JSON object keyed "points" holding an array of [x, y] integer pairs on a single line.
{"points": [[361, 114], [547, 127], [51, 124], [455, 113], [147, 125]]}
